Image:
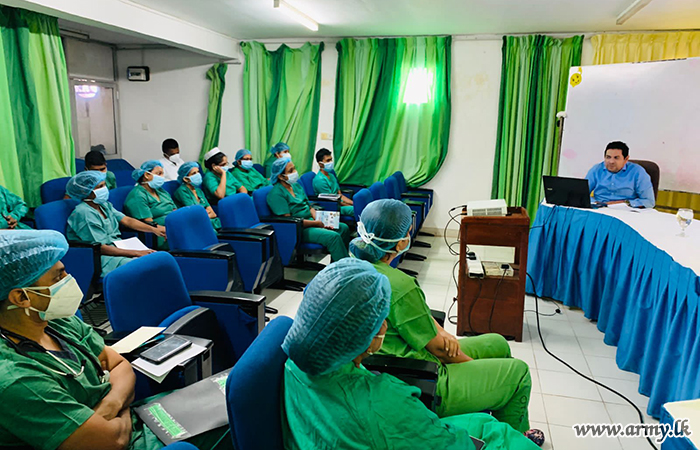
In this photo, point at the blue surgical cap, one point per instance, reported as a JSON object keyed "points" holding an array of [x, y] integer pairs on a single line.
{"points": [[145, 167], [278, 169], [80, 186], [185, 169], [241, 153], [342, 310], [278, 148], [26, 255], [384, 219]]}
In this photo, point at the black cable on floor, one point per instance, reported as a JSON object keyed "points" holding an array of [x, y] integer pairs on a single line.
{"points": [[539, 331]]}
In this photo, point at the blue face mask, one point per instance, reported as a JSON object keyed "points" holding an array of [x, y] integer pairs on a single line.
{"points": [[247, 164], [156, 182], [101, 195], [292, 177], [196, 179], [328, 167]]}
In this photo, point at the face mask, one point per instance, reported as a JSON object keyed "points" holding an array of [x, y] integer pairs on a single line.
{"points": [[292, 177], [286, 155], [247, 164], [328, 166], [176, 159], [156, 182], [101, 195], [224, 168], [369, 237], [196, 179], [65, 299]]}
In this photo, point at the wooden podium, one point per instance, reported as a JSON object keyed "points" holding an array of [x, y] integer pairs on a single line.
{"points": [[476, 306]]}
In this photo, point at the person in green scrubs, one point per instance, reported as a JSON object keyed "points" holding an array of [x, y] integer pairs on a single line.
{"points": [[476, 373], [12, 210], [95, 160], [287, 198], [219, 181], [189, 193], [60, 385], [279, 151], [326, 182], [95, 221], [148, 201], [331, 401], [246, 173]]}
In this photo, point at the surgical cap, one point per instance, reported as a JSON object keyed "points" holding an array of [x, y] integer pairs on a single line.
{"points": [[342, 310], [26, 255], [278, 169], [145, 167], [280, 147], [185, 169], [241, 153], [80, 186], [385, 219]]}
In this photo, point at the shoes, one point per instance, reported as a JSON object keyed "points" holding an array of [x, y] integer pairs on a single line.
{"points": [[536, 436]]}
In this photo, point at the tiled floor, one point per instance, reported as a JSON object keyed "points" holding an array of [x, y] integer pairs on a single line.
{"points": [[559, 398]]}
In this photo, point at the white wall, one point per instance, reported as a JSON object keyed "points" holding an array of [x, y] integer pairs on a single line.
{"points": [[174, 104]]}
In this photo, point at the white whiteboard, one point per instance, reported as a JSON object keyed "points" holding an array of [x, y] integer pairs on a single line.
{"points": [[653, 107]]}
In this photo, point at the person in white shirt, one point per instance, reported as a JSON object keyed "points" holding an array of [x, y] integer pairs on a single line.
{"points": [[171, 160]]}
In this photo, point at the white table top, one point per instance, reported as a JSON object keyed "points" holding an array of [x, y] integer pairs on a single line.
{"points": [[661, 229], [689, 409]]}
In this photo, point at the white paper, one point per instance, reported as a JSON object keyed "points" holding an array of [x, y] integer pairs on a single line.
{"points": [[136, 339], [332, 197], [158, 371], [329, 218], [130, 244]]}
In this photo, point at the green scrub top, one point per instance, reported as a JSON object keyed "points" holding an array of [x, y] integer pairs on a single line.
{"points": [[111, 180], [87, 225], [210, 183], [12, 205], [183, 196], [281, 202], [326, 184], [352, 408], [140, 204], [251, 179]]}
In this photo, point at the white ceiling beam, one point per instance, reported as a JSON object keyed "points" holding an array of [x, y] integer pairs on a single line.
{"points": [[631, 10], [135, 20]]}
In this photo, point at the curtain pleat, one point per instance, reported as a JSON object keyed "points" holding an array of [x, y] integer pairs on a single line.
{"points": [[217, 75]]}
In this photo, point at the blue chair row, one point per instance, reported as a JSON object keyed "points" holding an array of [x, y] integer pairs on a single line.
{"points": [[55, 189], [114, 164]]}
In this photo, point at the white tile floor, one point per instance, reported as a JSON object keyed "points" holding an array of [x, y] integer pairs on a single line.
{"points": [[559, 398]]}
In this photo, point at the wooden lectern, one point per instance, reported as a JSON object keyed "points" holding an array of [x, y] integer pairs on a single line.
{"points": [[493, 304]]}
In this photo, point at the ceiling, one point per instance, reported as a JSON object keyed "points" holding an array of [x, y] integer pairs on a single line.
{"points": [[256, 19], [74, 29]]}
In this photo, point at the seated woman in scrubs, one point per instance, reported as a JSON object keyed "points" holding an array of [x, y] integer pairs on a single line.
{"points": [[189, 193], [287, 198], [62, 388], [476, 373], [148, 201], [246, 173], [325, 181], [219, 182], [95, 221], [331, 401], [12, 210], [279, 151]]}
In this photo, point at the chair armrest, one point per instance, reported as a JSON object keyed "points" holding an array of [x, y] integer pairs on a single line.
{"points": [[396, 366], [417, 190], [439, 316], [352, 185], [414, 202], [347, 192], [265, 232], [415, 194], [206, 254], [278, 219], [251, 304], [241, 237]]}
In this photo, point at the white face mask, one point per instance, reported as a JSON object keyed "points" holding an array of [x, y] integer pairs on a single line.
{"points": [[176, 159], [65, 299]]}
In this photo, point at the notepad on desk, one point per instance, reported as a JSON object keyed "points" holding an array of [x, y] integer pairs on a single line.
{"points": [[130, 244], [329, 218]]}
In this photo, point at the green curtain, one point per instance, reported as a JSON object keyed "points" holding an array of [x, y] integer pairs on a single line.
{"points": [[376, 132], [35, 118], [281, 98], [534, 83], [212, 130]]}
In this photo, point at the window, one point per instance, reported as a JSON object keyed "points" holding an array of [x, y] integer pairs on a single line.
{"points": [[419, 86]]}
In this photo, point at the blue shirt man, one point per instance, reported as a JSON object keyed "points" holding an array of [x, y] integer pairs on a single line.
{"points": [[616, 180]]}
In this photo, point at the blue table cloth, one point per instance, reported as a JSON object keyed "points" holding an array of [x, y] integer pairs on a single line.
{"points": [[644, 301]]}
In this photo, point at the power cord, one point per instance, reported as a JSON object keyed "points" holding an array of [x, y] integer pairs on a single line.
{"points": [[450, 318], [495, 297], [539, 332]]}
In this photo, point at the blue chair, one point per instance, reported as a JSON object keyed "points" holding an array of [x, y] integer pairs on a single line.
{"points": [[119, 164], [118, 196], [171, 186], [260, 169], [189, 228], [307, 182], [289, 232], [54, 190], [420, 208], [254, 391], [79, 165], [378, 190], [362, 198], [82, 260], [413, 193], [150, 291], [123, 178]]}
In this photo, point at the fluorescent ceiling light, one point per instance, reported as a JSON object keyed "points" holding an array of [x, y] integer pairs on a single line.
{"points": [[297, 15], [631, 10]]}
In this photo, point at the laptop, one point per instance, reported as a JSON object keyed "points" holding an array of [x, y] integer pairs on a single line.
{"points": [[568, 192]]}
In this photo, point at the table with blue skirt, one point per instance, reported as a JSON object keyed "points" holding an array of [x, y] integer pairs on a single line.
{"points": [[677, 415], [631, 272]]}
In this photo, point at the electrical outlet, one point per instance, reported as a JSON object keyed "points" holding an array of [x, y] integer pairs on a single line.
{"points": [[144, 126]]}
